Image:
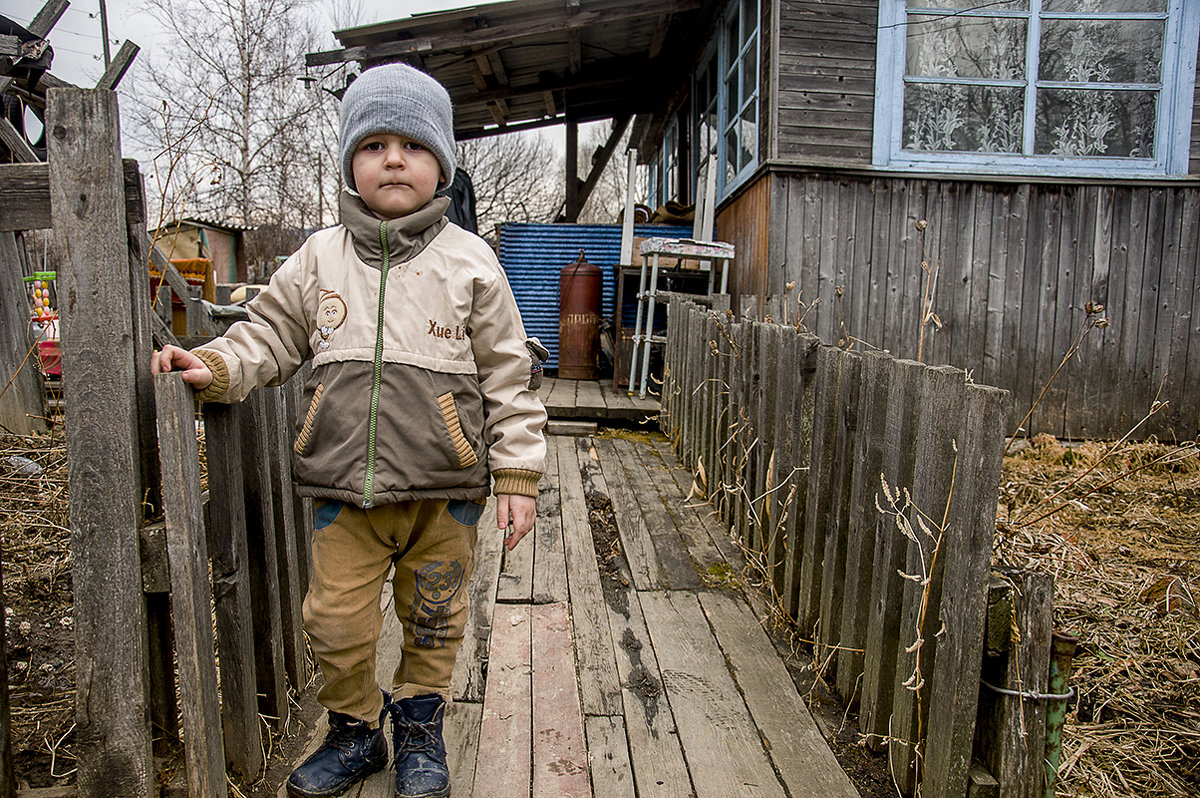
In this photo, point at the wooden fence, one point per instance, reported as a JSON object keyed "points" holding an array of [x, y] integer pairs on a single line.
{"points": [[143, 535], [864, 488]]}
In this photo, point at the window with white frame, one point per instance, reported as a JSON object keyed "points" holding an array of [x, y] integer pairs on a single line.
{"points": [[725, 99], [739, 93], [663, 171], [1069, 87], [705, 121]]}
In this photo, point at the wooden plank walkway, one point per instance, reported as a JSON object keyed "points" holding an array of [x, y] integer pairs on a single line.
{"points": [[617, 666], [594, 399]]}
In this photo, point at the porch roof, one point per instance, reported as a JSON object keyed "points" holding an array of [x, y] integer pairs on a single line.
{"points": [[531, 63]]}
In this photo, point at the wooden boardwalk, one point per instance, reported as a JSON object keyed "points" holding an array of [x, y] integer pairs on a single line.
{"points": [[613, 657], [594, 399]]}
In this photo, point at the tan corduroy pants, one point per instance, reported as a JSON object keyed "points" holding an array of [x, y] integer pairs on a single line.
{"points": [[431, 542]]}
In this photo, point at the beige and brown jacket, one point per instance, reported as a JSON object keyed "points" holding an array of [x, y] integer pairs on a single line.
{"points": [[420, 381]]}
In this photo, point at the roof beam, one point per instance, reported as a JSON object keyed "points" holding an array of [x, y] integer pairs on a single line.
{"points": [[659, 38], [562, 22], [575, 49], [466, 134], [608, 73]]}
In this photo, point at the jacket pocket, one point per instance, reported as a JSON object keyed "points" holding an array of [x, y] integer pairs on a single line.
{"points": [[466, 455], [302, 439]]}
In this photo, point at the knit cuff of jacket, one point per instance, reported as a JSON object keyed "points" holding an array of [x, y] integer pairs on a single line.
{"points": [[516, 481], [220, 375]]}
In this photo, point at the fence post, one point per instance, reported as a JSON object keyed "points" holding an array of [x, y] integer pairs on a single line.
{"points": [[939, 429], [820, 490], [187, 553], [231, 589], [264, 561], [883, 618], [1011, 737], [876, 374], [87, 200], [291, 594], [971, 527]]}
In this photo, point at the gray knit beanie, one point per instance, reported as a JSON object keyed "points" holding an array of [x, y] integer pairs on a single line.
{"points": [[395, 98]]}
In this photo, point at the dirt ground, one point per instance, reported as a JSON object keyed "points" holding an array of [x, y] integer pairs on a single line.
{"points": [[1123, 543]]}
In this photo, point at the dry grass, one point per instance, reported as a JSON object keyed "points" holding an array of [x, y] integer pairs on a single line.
{"points": [[1126, 563], [39, 627]]}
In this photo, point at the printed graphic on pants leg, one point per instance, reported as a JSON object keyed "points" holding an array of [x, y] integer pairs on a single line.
{"points": [[437, 583]]}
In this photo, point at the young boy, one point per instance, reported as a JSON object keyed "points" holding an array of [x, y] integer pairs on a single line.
{"points": [[420, 396]]}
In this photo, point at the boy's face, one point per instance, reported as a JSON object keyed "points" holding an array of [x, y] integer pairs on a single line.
{"points": [[394, 175]]}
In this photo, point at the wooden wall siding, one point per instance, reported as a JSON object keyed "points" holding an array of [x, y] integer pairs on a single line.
{"points": [[1017, 265], [1194, 151], [744, 223], [826, 82]]}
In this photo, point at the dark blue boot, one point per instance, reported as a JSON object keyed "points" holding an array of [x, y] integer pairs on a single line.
{"points": [[352, 751], [420, 753]]}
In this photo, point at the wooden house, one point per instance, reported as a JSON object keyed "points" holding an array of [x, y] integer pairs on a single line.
{"points": [[976, 184]]}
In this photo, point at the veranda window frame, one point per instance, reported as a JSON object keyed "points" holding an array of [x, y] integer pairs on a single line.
{"points": [[1175, 97]]}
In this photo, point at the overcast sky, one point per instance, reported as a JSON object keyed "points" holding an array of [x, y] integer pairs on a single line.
{"points": [[78, 45]]}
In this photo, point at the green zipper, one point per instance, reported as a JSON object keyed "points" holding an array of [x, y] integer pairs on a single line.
{"points": [[377, 380]]}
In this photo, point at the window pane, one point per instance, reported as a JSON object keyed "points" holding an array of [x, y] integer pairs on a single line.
{"points": [[999, 5], [1102, 51], [966, 47], [731, 42], [1095, 122], [731, 147], [749, 74], [747, 136], [946, 117], [732, 102], [1105, 6], [749, 18]]}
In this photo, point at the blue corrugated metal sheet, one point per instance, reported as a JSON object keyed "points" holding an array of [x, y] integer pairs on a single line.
{"points": [[533, 255]]}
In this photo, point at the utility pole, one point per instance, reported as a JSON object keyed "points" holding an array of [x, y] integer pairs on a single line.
{"points": [[104, 32]]}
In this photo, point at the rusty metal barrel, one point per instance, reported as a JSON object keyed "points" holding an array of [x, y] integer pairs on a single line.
{"points": [[579, 292]]}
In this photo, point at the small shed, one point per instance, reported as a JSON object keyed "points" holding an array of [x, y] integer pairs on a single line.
{"points": [[221, 242]]}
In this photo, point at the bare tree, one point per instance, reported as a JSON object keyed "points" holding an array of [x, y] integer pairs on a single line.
{"points": [[517, 178], [232, 79], [607, 200]]}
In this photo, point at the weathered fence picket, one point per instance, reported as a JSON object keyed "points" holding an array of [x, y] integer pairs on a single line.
{"points": [[87, 200], [796, 441], [187, 551], [229, 547]]}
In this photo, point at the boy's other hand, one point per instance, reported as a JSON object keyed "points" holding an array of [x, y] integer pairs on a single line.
{"points": [[172, 358], [522, 510]]}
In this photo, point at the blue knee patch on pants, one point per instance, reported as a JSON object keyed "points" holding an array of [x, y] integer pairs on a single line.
{"points": [[325, 512], [464, 512]]}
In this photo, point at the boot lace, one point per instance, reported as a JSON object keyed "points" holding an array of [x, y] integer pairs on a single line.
{"points": [[418, 737]]}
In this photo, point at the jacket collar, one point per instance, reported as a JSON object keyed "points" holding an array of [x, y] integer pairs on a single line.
{"points": [[407, 236]]}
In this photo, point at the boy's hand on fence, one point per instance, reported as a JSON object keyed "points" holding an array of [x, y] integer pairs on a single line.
{"points": [[172, 358], [522, 510]]}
